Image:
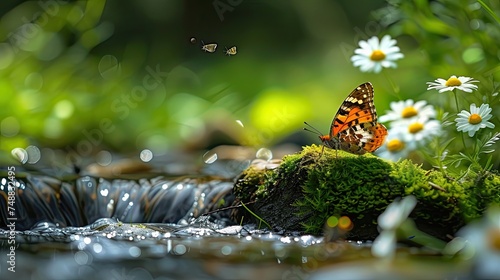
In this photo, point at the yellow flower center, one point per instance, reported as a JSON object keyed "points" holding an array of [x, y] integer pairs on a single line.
{"points": [[475, 119], [493, 236], [395, 145], [453, 82], [377, 55], [415, 127], [409, 112]]}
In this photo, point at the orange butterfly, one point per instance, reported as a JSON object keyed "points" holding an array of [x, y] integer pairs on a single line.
{"points": [[355, 128]]}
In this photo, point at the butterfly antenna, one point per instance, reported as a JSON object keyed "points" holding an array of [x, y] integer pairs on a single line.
{"points": [[312, 129]]}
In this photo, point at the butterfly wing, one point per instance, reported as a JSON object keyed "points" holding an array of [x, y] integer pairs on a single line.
{"points": [[357, 108], [354, 128]]}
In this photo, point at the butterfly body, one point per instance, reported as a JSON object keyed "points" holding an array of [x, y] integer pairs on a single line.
{"points": [[354, 128]]}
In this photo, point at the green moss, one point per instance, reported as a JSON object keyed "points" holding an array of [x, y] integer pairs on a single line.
{"points": [[339, 183], [253, 183], [483, 189], [319, 182]]}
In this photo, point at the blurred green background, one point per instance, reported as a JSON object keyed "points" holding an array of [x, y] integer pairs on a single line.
{"points": [[125, 75]]}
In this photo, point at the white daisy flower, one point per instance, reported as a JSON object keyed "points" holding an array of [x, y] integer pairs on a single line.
{"points": [[408, 110], [474, 120], [393, 217], [396, 213], [419, 130], [373, 55], [395, 147], [461, 83], [483, 237]]}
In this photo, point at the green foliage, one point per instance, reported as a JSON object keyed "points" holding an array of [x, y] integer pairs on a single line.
{"points": [[453, 34], [456, 38]]}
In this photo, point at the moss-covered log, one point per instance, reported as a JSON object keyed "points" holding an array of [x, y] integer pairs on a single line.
{"points": [[317, 183]]}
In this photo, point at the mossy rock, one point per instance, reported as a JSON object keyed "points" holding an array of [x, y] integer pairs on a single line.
{"points": [[318, 182]]}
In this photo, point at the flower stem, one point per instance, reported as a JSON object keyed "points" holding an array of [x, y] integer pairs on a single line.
{"points": [[489, 10], [395, 87], [458, 110], [456, 100]]}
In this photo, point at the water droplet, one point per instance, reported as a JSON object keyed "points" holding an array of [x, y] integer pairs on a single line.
{"points": [[475, 24], [240, 123], [97, 248], [134, 251], [226, 250], [81, 257], [104, 158], [20, 154], [146, 155], [109, 66], [193, 40], [33, 154], [264, 154], [210, 157], [180, 249], [9, 127]]}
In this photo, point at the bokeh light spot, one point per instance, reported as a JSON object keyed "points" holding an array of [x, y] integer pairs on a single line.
{"points": [[9, 127], [332, 221], [34, 154], [109, 66], [345, 223], [64, 109], [180, 249], [81, 257], [20, 154], [52, 46], [53, 128], [146, 155], [34, 81], [134, 251], [473, 55], [104, 158], [226, 250], [7, 55]]}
